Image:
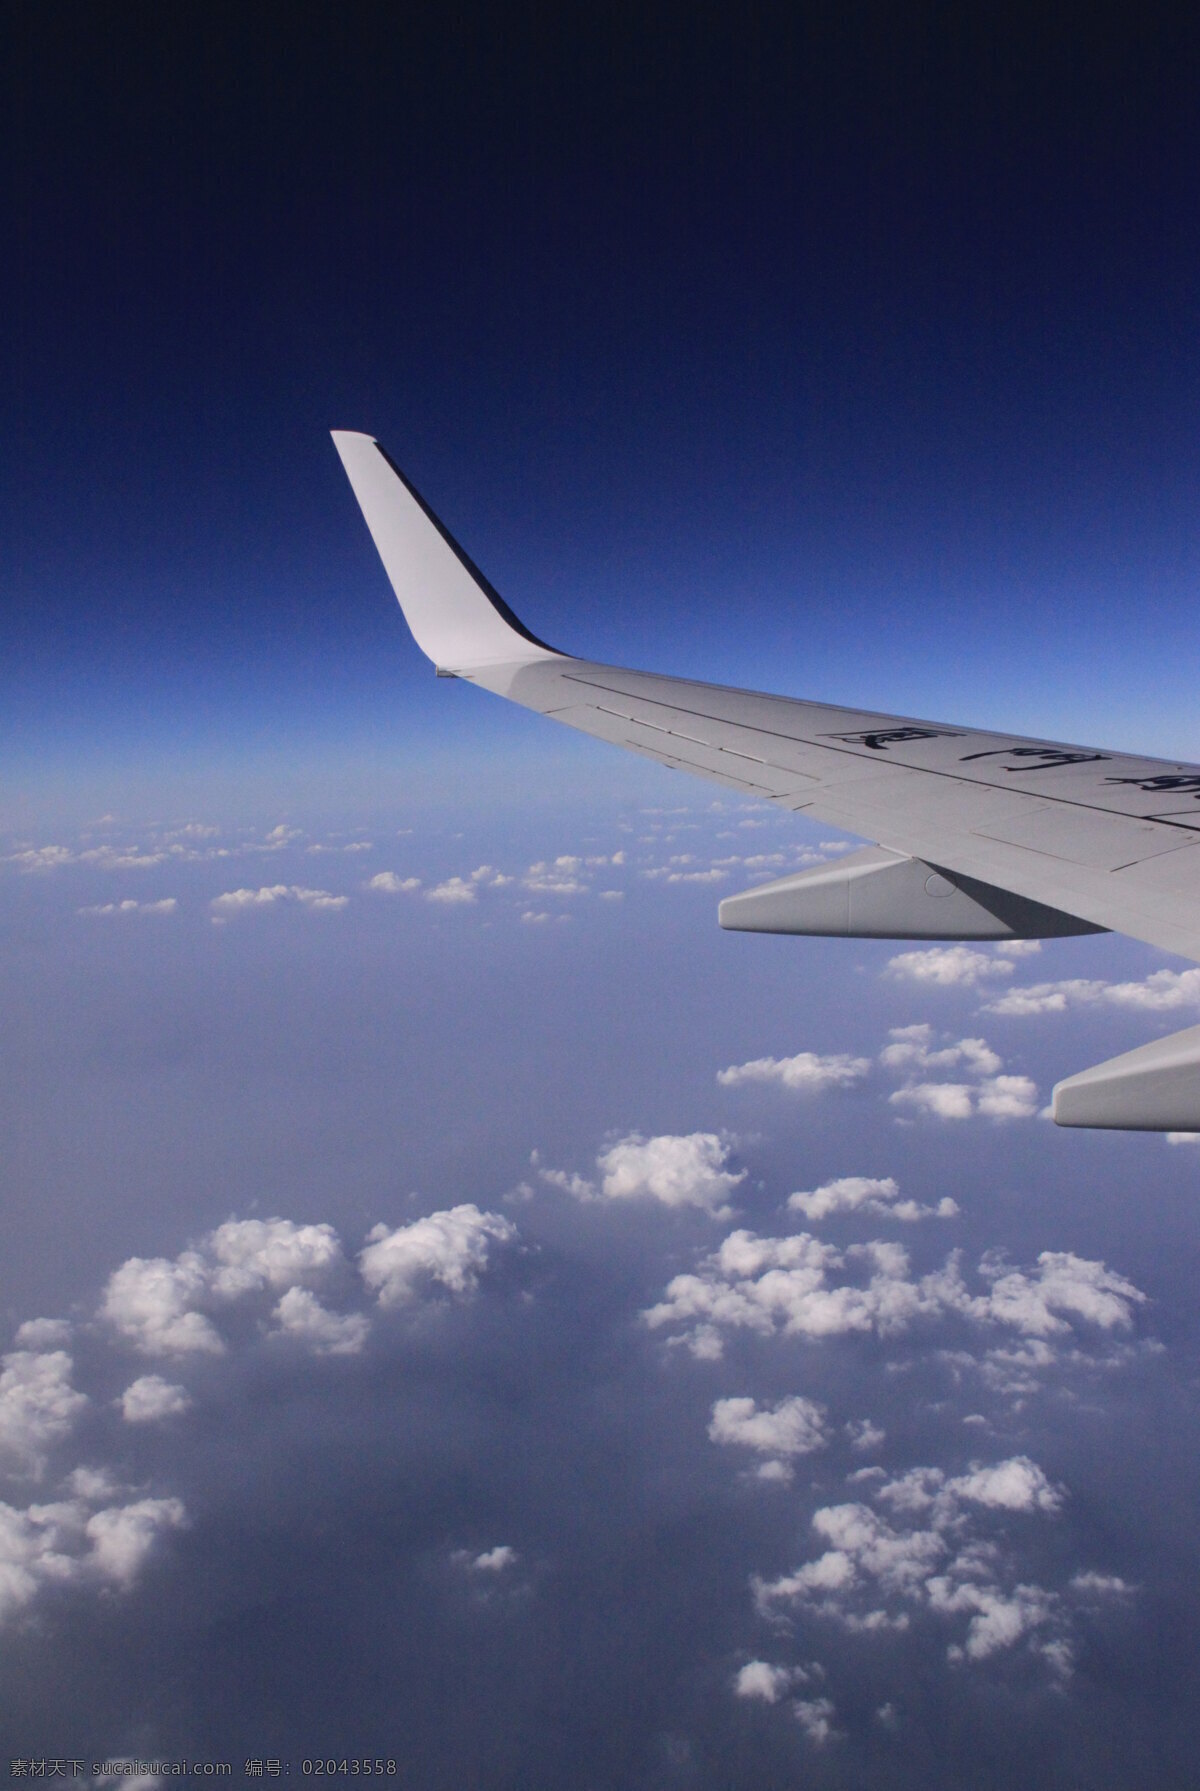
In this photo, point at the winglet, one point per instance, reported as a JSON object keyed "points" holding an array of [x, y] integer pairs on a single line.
{"points": [[457, 619]]}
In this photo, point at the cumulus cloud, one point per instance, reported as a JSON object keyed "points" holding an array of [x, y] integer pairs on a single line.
{"points": [[931, 1557], [759, 1679], [122, 1536], [564, 875], [807, 1070], [800, 1286], [948, 966], [66, 1541], [391, 883], [451, 1248], [815, 1716], [1161, 992], [785, 1284], [689, 1170], [454, 891], [240, 901], [151, 1398], [913, 1049], [44, 1333], [40, 858], [492, 1560], [129, 907], [990, 1094], [794, 1426], [162, 1306], [38, 1406], [301, 1315], [866, 1194]]}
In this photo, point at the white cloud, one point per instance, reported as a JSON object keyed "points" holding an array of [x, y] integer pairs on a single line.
{"points": [[122, 1536], [451, 1248], [1160, 992], [301, 1315], [238, 901], [1017, 1484], [913, 1049], [62, 1542], [390, 883], [806, 1070], [44, 1333], [129, 907], [948, 966], [794, 1426], [1007, 1097], [872, 1574], [865, 1437], [150, 1301], [758, 1679], [1039, 1303], [151, 1398], [1101, 1585], [564, 875], [991, 1095], [253, 1253], [867, 1194], [41, 858], [942, 1100], [676, 1170], [495, 1560], [454, 891], [784, 1284], [159, 1305], [815, 1716], [1018, 948], [800, 1286], [38, 1406]]}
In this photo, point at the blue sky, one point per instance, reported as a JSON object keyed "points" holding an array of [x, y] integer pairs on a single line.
{"points": [[461, 1305]]}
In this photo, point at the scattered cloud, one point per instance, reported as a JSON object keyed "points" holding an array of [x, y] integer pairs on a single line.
{"points": [[451, 1248], [807, 1070], [799, 1286], [391, 883], [792, 1427], [165, 1307], [867, 1194], [759, 1679], [948, 966], [815, 1716], [38, 1407], [1163, 991], [69, 1541], [563, 876], [239, 901], [301, 1315], [129, 907], [454, 891], [930, 1557], [914, 1052], [492, 1560], [150, 1399], [680, 1171]]}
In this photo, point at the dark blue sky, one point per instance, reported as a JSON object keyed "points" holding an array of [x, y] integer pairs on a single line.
{"points": [[835, 348]]}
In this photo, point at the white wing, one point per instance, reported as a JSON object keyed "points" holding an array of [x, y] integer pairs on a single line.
{"points": [[979, 835]]}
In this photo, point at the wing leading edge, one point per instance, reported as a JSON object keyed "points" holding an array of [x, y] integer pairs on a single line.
{"points": [[980, 835]]}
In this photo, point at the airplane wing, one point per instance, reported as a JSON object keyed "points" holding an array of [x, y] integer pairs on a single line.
{"points": [[979, 835]]}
